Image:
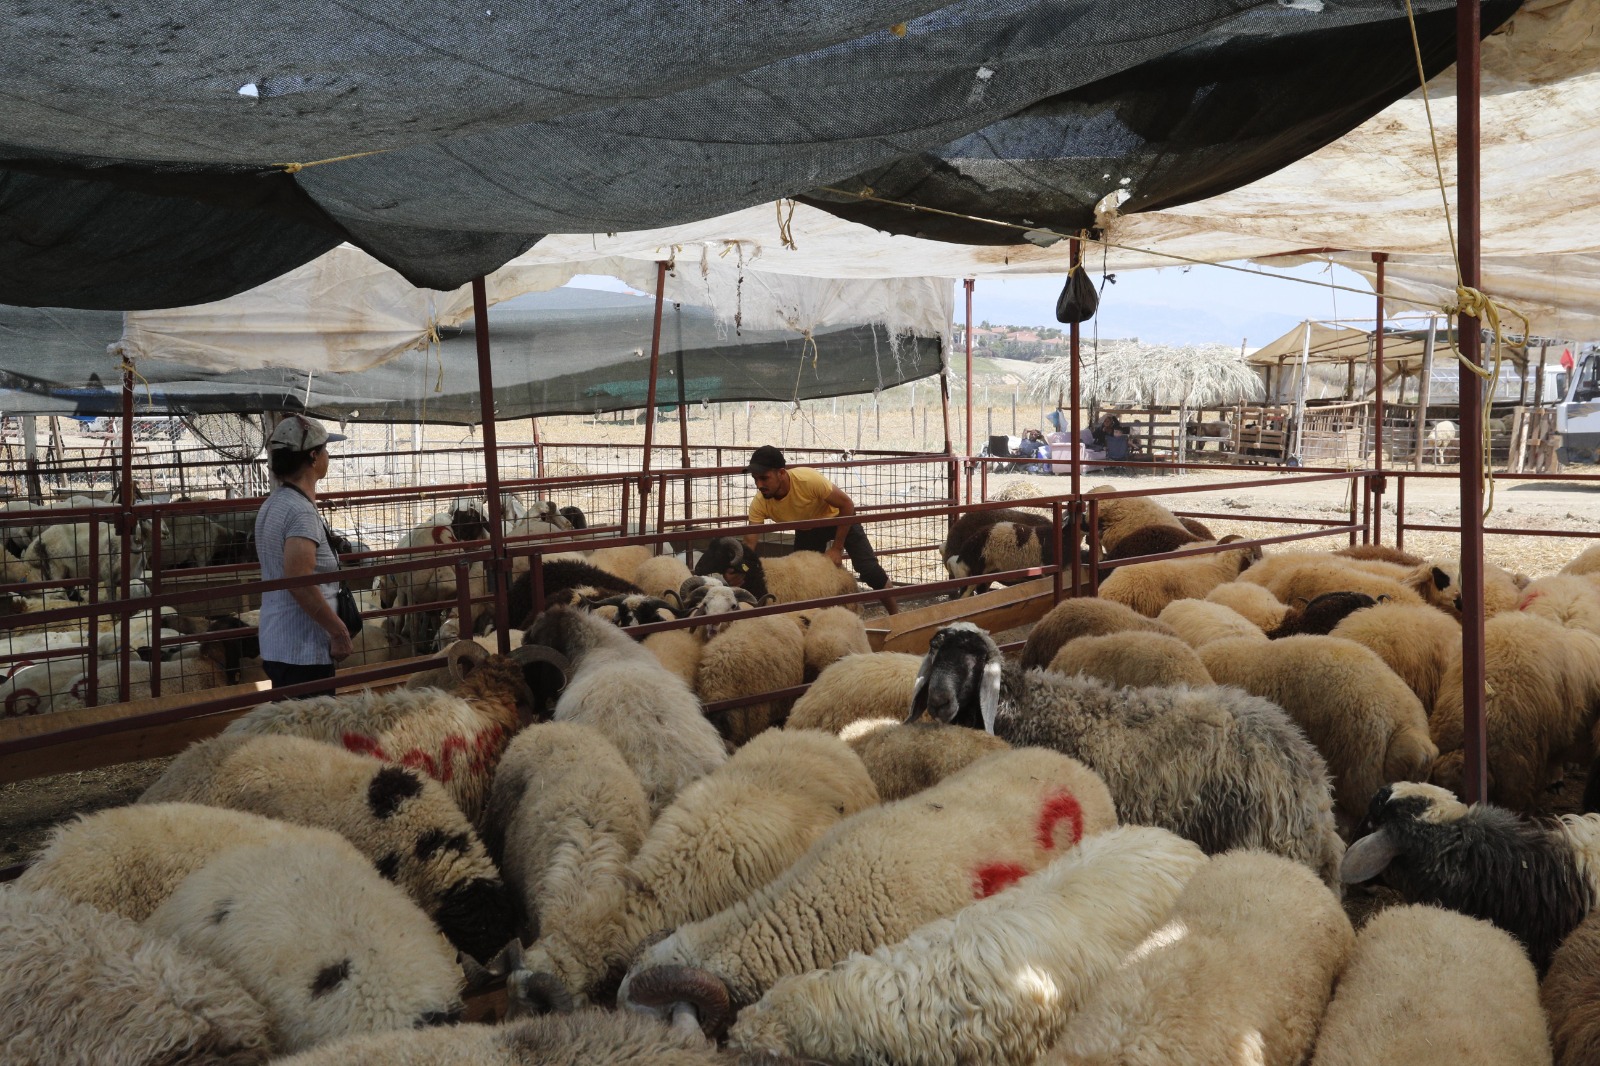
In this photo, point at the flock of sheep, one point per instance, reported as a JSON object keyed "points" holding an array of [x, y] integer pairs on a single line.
{"points": [[1131, 844]]}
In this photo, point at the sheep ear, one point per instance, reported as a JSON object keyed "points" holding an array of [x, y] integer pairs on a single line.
{"points": [[1441, 580], [919, 691], [989, 696], [1367, 858]]}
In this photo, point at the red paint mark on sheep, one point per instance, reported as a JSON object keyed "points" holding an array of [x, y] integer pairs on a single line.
{"points": [[480, 753], [1062, 806], [994, 876], [1529, 598]]}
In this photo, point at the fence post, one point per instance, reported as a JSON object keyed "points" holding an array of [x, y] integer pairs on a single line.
{"points": [[498, 569]]}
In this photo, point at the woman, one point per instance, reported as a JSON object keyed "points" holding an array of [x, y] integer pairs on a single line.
{"points": [[301, 634]]}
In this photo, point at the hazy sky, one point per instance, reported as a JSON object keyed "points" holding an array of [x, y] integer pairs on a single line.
{"points": [[1174, 305]]}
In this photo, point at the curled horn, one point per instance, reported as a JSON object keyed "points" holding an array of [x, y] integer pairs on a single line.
{"points": [[542, 654], [745, 597], [530, 993], [676, 601], [463, 656], [664, 990]]}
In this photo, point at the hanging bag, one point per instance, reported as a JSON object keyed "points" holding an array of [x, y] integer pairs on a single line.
{"points": [[1078, 300]]}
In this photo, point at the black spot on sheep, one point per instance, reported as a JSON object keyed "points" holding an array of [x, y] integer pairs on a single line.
{"points": [[565, 581], [1153, 540], [385, 811], [74, 978], [316, 937], [973, 522], [1414, 992], [801, 575], [1001, 547], [622, 690], [1214, 765], [873, 879], [998, 984], [1535, 880], [1318, 617]]}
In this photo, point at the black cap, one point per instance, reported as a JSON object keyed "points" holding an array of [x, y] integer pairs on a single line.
{"points": [[765, 458]]}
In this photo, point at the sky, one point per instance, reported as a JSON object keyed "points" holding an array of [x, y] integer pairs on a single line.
{"points": [[1174, 305]]}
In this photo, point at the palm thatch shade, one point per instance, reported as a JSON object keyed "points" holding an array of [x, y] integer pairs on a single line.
{"points": [[1190, 376]]}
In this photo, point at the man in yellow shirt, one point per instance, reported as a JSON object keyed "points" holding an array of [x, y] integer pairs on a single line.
{"points": [[796, 494]]}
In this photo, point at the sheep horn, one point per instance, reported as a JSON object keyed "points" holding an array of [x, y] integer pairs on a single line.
{"points": [[1367, 857], [665, 990], [677, 602], [745, 596], [531, 654], [535, 992]]}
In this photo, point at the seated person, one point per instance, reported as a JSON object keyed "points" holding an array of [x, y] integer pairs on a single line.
{"points": [[1033, 446]]}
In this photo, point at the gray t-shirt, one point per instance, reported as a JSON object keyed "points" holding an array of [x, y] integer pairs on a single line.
{"points": [[288, 635]]}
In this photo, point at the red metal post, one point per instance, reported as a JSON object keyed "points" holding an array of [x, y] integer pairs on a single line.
{"points": [[1074, 354], [650, 398], [1474, 772], [683, 452], [498, 568], [125, 525], [1378, 483], [968, 285]]}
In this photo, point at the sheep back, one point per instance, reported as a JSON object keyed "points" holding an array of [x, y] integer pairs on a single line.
{"points": [[905, 758], [1241, 970], [1215, 765], [1369, 727], [327, 946], [405, 823], [1251, 601], [748, 657], [127, 860], [831, 633], [806, 575], [566, 815], [678, 650], [83, 986], [1126, 515], [1152, 540], [878, 875], [1570, 996], [857, 687], [623, 562], [962, 529], [1323, 574], [661, 574], [1002, 547], [949, 993], [1414, 992], [1569, 601], [1082, 617], [1417, 643], [1134, 660], [1198, 622], [1440, 585], [1585, 562], [1149, 587]]}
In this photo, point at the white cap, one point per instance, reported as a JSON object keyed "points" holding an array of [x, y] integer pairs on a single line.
{"points": [[297, 433]]}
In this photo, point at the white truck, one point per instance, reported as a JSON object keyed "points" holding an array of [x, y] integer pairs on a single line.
{"points": [[1578, 409]]}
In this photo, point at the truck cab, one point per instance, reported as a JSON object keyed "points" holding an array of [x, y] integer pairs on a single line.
{"points": [[1578, 411]]}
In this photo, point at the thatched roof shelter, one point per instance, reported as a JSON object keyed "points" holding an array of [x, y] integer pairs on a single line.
{"points": [[1190, 376]]}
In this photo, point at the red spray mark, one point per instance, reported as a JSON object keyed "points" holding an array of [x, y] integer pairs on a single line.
{"points": [[1529, 598], [1059, 807], [480, 753], [995, 876]]}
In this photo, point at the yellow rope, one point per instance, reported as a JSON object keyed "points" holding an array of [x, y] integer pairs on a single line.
{"points": [[786, 226], [127, 367], [295, 168]]}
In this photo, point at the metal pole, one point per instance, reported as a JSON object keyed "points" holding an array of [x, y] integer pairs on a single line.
{"points": [[1379, 258], [968, 283], [1074, 258], [1425, 389], [1300, 394], [125, 528], [650, 399], [498, 569], [683, 439], [1474, 772]]}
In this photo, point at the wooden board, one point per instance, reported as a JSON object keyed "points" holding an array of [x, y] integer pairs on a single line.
{"points": [[997, 610]]}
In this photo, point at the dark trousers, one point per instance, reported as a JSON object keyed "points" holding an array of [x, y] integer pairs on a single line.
{"points": [[856, 545], [284, 674]]}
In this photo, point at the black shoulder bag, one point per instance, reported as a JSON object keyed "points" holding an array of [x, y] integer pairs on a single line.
{"points": [[344, 601]]}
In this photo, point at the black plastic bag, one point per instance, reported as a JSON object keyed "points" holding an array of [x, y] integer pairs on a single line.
{"points": [[1078, 300]]}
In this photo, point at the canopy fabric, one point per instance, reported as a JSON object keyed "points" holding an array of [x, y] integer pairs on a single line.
{"points": [[1334, 343], [182, 152]]}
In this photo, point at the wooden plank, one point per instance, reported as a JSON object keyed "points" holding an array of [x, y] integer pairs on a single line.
{"points": [[1000, 609], [150, 742]]}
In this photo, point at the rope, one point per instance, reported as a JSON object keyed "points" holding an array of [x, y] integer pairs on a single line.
{"points": [[295, 168], [786, 226], [127, 367]]}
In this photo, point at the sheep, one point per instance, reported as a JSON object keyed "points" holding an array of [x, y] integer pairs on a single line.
{"points": [[61, 553], [1440, 586], [545, 519], [746, 658], [954, 991], [1413, 992], [1154, 540], [1441, 435], [1535, 880], [1367, 724], [1569, 994], [792, 578], [1318, 617], [586, 1038], [621, 689], [679, 650], [724, 838], [857, 687], [566, 582], [327, 946], [1584, 563], [38, 688], [873, 879], [906, 758], [196, 667], [1415, 642], [565, 816], [426, 585], [1381, 553], [191, 540], [1240, 972], [127, 860], [1543, 691], [623, 562], [1566, 600], [711, 597], [1126, 515], [1310, 579], [81, 986], [1276, 567], [1251, 601], [1213, 765], [831, 633], [660, 575], [1133, 660], [635, 609], [404, 823], [999, 548], [1082, 617], [1148, 587], [966, 525], [1199, 622], [454, 737]]}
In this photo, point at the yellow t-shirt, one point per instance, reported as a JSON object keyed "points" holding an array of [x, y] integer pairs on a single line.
{"points": [[808, 498]]}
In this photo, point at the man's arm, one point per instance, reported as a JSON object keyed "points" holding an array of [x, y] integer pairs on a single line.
{"points": [[300, 559], [847, 508]]}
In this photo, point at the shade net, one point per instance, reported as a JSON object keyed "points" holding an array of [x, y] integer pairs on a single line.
{"points": [[567, 351], [447, 142]]}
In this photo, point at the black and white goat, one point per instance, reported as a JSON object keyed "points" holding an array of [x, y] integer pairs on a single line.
{"points": [[1535, 879]]}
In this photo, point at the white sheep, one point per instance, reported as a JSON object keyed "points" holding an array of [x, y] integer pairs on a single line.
{"points": [[405, 823], [83, 986], [1082, 617], [903, 758], [678, 650], [1241, 971], [1414, 992], [327, 946], [1148, 587], [831, 633], [1567, 600], [660, 575], [995, 983], [565, 816], [1585, 562], [61, 553], [1417, 643], [1134, 660], [1570, 996], [622, 561], [1252, 601], [1198, 622], [621, 689], [857, 687], [874, 878], [747, 658], [1440, 436]]}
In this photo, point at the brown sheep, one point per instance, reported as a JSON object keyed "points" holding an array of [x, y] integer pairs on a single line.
{"points": [[1149, 587], [1416, 642], [1132, 660]]}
